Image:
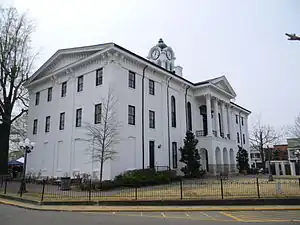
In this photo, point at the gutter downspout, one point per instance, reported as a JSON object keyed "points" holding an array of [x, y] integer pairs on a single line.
{"points": [[186, 112], [143, 118], [168, 115]]}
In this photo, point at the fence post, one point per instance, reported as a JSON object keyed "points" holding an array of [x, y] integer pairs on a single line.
{"points": [[43, 190], [21, 188], [136, 197], [5, 186], [90, 190], [222, 191], [2, 181], [181, 189], [299, 181], [257, 185]]}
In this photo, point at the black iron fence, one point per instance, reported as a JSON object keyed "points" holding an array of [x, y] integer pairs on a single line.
{"points": [[206, 189]]}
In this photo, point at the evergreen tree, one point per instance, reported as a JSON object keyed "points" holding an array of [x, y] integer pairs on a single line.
{"points": [[242, 159], [190, 156]]}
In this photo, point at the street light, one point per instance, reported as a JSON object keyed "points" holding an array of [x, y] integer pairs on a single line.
{"points": [[26, 147]]}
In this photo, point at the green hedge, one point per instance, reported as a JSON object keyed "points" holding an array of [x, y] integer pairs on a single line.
{"points": [[134, 178]]}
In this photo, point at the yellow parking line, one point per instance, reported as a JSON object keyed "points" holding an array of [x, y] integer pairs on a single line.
{"points": [[232, 217], [163, 214], [205, 214], [187, 214]]}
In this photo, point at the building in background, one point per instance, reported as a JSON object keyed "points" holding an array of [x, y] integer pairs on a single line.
{"points": [[157, 105]]}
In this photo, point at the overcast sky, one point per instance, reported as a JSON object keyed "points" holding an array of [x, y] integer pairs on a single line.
{"points": [[242, 39]]}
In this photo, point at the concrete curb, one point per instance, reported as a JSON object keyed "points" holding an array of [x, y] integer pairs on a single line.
{"points": [[142, 209]]}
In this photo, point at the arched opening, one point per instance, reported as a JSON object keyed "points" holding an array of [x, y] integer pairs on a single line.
{"points": [[189, 116], [232, 161], [204, 159], [173, 111], [218, 160], [225, 160]]}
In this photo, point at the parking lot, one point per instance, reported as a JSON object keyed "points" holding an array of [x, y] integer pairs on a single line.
{"points": [[235, 216]]}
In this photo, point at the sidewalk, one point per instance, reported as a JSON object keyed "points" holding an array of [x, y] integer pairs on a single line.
{"points": [[144, 208]]}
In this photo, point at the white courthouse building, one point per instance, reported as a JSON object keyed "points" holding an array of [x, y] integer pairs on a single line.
{"points": [[156, 105]]}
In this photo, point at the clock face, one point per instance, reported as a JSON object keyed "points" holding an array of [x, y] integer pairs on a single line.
{"points": [[169, 55], [155, 54]]}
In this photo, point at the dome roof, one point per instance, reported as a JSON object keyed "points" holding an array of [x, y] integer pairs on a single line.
{"points": [[161, 44]]}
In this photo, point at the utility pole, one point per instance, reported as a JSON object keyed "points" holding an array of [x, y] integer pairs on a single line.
{"points": [[292, 37]]}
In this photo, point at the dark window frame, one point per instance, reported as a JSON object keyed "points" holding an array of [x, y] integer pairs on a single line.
{"points": [[35, 126], [173, 111], [99, 76], [80, 83], [63, 89], [238, 137], [242, 118], [97, 113], [151, 87], [152, 119], [78, 120], [62, 121], [131, 115], [244, 139], [47, 124], [236, 119], [131, 79], [174, 155], [37, 98], [189, 117], [49, 94]]}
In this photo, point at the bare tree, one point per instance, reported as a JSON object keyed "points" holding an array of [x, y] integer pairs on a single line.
{"points": [[262, 137], [18, 133], [296, 128], [15, 66], [104, 132]]}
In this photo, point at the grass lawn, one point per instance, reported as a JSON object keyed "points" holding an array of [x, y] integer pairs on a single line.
{"points": [[232, 189]]}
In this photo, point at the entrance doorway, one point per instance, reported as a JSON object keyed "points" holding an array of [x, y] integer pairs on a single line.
{"points": [[151, 154]]}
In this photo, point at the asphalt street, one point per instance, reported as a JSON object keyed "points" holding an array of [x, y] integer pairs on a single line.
{"points": [[10, 215]]}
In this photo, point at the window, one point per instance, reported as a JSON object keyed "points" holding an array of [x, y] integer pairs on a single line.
{"points": [[174, 154], [173, 111], [151, 87], [189, 116], [151, 154], [64, 89], [242, 121], [244, 140], [49, 96], [151, 119], [166, 65], [47, 124], [35, 124], [131, 115], [237, 119], [62, 121], [37, 98], [97, 117], [99, 76], [131, 79], [80, 84], [238, 137], [78, 117]]}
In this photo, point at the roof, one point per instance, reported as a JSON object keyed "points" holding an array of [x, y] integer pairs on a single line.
{"points": [[281, 147], [92, 47], [240, 107]]}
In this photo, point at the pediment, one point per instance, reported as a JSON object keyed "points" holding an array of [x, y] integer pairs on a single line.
{"points": [[65, 57], [223, 84]]}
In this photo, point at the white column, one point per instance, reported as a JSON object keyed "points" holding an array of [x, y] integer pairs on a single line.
{"points": [[293, 169], [208, 112], [283, 168], [216, 110], [277, 170], [229, 116], [224, 120]]}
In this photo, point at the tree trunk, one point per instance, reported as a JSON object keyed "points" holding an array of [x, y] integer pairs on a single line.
{"points": [[4, 147]]}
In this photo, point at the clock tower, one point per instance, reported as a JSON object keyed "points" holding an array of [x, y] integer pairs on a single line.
{"points": [[164, 56]]}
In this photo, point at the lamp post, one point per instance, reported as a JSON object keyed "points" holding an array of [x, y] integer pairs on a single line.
{"points": [[26, 147]]}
